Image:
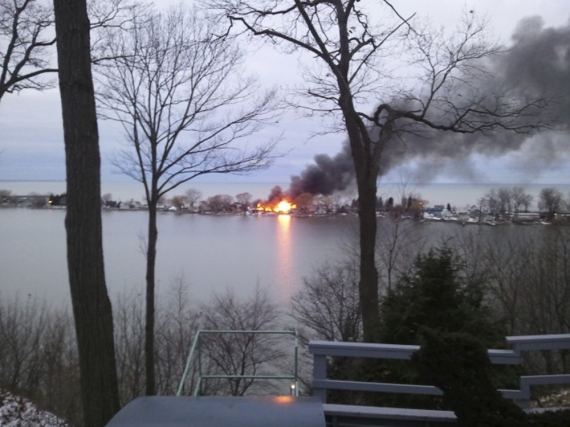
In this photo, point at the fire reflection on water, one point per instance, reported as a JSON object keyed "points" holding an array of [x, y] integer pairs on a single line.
{"points": [[285, 263]]}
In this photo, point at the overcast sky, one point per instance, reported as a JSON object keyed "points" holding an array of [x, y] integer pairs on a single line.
{"points": [[31, 145]]}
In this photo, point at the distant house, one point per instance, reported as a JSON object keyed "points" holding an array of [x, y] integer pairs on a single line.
{"points": [[527, 217], [112, 204], [58, 200], [30, 201], [447, 214], [135, 204], [463, 216], [434, 211]]}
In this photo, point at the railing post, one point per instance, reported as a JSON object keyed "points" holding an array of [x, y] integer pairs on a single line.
{"points": [[296, 383], [525, 389], [320, 373], [197, 347]]}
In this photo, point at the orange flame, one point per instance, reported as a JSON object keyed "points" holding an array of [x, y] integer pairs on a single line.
{"points": [[282, 206]]}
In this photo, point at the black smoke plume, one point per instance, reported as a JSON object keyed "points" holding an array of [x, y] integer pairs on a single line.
{"points": [[538, 63], [327, 175]]}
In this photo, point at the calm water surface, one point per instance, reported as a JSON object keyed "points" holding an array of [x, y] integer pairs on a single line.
{"points": [[211, 253]]}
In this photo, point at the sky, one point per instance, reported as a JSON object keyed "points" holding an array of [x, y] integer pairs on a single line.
{"points": [[31, 137]]}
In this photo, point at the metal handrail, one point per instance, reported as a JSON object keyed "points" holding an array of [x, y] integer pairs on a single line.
{"points": [[196, 345], [323, 349]]}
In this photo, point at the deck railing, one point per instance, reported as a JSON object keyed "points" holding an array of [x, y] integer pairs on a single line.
{"points": [[321, 350], [204, 376]]}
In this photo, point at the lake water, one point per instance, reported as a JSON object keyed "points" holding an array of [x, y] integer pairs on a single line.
{"points": [[210, 253]]}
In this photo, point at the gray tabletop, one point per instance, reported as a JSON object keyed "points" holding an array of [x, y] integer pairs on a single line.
{"points": [[275, 411]]}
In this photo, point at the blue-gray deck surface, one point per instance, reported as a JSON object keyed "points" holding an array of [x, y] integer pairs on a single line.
{"points": [[166, 411], [354, 416]]}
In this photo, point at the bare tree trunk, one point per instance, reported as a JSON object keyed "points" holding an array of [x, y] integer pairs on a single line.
{"points": [[366, 176], [353, 46], [150, 303], [172, 86], [368, 285], [91, 305]]}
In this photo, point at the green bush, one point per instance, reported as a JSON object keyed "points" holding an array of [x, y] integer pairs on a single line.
{"points": [[558, 418], [437, 294], [459, 365]]}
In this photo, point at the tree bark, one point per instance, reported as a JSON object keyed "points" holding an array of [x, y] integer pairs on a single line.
{"points": [[90, 301], [368, 285], [150, 285], [366, 177]]}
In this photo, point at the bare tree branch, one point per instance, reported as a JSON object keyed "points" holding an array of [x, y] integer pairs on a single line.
{"points": [[439, 82], [186, 109], [241, 354], [26, 34], [27, 38]]}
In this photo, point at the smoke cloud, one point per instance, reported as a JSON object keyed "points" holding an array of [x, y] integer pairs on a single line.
{"points": [[538, 63], [327, 175]]}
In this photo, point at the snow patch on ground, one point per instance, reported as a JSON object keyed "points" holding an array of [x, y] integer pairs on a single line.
{"points": [[558, 399], [19, 412]]}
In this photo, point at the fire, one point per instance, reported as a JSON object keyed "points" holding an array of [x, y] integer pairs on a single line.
{"points": [[283, 206]]}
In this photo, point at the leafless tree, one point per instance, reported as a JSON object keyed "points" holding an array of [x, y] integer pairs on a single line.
{"points": [[177, 202], [327, 308], [186, 109], [22, 327], [400, 243], [110, 14], [244, 199], [26, 38], [129, 345], [90, 301], [241, 354], [5, 196], [177, 323], [38, 356], [304, 202], [350, 73], [530, 281], [220, 203], [505, 201], [328, 305], [107, 197], [193, 196], [399, 240], [521, 199], [550, 201], [491, 203]]}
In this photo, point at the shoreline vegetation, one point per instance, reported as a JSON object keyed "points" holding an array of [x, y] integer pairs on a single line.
{"points": [[500, 206]]}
